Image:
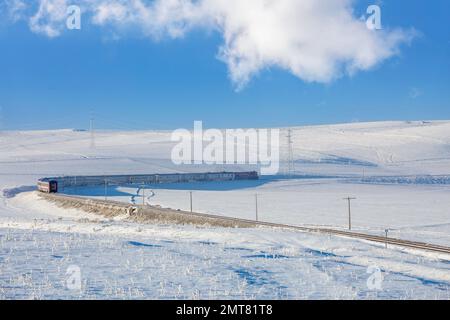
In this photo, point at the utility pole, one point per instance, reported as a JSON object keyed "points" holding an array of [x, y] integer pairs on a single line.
{"points": [[106, 189], [349, 199], [387, 233], [256, 206], [190, 196], [91, 130], [1, 118], [290, 153], [143, 195]]}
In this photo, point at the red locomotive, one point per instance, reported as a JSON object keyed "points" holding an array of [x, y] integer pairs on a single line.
{"points": [[48, 186]]}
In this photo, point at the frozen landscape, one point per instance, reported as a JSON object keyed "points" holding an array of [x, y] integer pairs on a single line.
{"points": [[399, 173]]}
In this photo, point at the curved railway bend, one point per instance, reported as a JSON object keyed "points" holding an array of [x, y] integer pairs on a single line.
{"points": [[154, 214]]}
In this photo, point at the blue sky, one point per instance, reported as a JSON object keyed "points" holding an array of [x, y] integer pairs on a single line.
{"points": [[135, 82]]}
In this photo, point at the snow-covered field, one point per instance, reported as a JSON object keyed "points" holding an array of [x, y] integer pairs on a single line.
{"points": [[398, 171]]}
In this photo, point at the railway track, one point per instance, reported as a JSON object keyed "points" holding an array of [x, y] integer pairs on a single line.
{"points": [[349, 234], [396, 242], [216, 220], [368, 237]]}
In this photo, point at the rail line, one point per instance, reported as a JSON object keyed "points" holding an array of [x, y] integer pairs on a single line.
{"points": [[217, 220], [388, 240], [350, 234]]}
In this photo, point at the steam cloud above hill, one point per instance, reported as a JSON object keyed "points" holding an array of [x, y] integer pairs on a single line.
{"points": [[316, 40]]}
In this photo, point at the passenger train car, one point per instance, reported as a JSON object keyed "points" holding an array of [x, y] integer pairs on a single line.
{"points": [[51, 185]]}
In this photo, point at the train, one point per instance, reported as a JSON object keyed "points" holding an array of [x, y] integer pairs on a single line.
{"points": [[53, 185], [48, 186]]}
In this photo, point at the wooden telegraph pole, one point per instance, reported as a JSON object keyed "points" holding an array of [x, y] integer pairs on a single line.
{"points": [[349, 199], [106, 189], [256, 206], [143, 195]]}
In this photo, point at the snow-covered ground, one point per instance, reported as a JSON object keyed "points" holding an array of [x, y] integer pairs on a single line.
{"points": [[410, 212], [398, 171]]}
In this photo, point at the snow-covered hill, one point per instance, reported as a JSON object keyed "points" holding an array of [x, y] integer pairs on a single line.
{"points": [[397, 147], [398, 171]]}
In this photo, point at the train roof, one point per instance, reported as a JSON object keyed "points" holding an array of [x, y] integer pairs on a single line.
{"points": [[145, 175]]}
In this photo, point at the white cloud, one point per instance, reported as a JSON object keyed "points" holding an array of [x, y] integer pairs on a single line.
{"points": [[317, 41], [415, 93], [50, 17], [14, 9]]}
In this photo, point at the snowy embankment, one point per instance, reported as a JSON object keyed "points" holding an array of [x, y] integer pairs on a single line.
{"points": [[118, 259], [126, 260]]}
